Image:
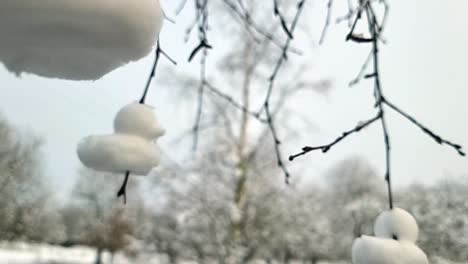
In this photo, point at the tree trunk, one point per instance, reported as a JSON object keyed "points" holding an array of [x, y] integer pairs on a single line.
{"points": [[201, 260], [242, 165], [98, 256], [200, 257], [287, 257], [172, 258]]}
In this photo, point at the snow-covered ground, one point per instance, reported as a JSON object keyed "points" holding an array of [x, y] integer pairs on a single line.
{"points": [[27, 254], [22, 253]]}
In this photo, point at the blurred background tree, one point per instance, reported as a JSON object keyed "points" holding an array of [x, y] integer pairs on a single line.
{"points": [[95, 217], [27, 207]]}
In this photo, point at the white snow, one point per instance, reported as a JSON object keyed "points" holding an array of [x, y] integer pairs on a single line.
{"points": [[396, 231], [138, 119], [132, 148], [375, 250], [118, 153], [396, 222], [31, 253], [77, 40], [22, 253]]}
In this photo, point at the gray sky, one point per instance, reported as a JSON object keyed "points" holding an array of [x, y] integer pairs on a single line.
{"points": [[423, 70]]}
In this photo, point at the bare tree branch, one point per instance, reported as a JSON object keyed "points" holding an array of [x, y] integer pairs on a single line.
{"points": [[246, 18], [426, 130], [325, 148], [375, 29], [327, 21], [273, 76], [202, 22], [152, 74], [284, 25]]}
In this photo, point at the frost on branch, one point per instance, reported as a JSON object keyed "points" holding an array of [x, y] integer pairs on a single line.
{"points": [[76, 40], [396, 232], [130, 149]]}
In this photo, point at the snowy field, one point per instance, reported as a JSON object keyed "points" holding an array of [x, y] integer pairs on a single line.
{"points": [[38, 254], [45, 254], [22, 253]]}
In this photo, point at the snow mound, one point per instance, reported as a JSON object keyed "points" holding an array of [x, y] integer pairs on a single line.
{"points": [[118, 153], [76, 39], [138, 119], [396, 223], [373, 250]]}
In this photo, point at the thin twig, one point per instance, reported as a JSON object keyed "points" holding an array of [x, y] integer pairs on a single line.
{"points": [[325, 148], [356, 19], [152, 74], [284, 25], [123, 190], [180, 7], [426, 130], [246, 18], [203, 45], [202, 25], [362, 71], [235, 104], [266, 105], [283, 56], [373, 25], [201, 91], [202, 18], [327, 21], [277, 143]]}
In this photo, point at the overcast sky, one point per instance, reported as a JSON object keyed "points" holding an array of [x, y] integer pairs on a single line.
{"points": [[423, 67]]}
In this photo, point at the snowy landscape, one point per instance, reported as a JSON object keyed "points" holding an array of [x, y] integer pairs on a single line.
{"points": [[46, 254], [233, 132]]}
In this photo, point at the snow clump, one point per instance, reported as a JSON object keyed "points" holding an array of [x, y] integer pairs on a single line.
{"points": [[131, 149], [396, 233], [76, 39]]}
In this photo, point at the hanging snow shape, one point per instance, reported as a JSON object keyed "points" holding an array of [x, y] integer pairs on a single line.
{"points": [[131, 149], [138, 119], [76, 39], [396, 233], [118, 154]]}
